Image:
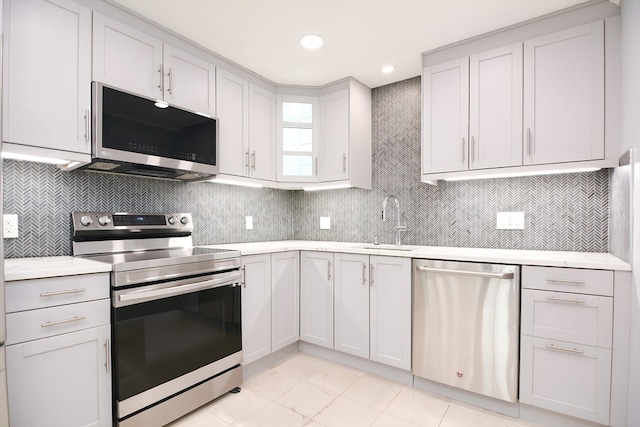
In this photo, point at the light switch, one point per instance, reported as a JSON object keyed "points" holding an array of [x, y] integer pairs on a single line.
{"points": [[249, 222], [325, 222], [510, 221]]}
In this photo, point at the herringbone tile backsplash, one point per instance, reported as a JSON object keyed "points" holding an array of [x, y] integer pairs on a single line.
{"points": [[562, 212]]}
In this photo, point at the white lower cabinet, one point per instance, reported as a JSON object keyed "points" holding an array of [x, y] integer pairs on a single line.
{"points": [[66, 377], [358, 304], [285, 299], [316, 298], [256, 307], [58, 351], [270, 295], [566, 341]]}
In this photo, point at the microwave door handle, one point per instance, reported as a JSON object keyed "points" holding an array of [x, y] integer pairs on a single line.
{"points": [[154, 294]]}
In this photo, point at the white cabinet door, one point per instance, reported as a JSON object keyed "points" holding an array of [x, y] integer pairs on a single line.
{"points": [[232, 108], [391, 311], [495, 108], [352, 304], [262, 133], [47, 73], [445, 117], [573, 379], [63, 380], [285, 297], [316, 298], [333, 153], [256, 307], [564, 96], [126, 58], [189, 81]]}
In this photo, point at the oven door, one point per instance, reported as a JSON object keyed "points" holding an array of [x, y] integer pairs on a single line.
{"points": [[170, 336]]}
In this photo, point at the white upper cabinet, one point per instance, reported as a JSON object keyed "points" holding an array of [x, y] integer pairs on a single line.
{"points": [[47, 75], [262, 133], [297, 128], [564, 96], [495, 108], [334, 134], [445, 117], [232, 105], [132, 60]]}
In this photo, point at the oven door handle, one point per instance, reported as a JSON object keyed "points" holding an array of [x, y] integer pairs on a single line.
{"points": [[150, 295]]}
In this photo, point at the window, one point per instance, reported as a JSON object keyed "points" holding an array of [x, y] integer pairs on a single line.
{"points": [[297, 137]]}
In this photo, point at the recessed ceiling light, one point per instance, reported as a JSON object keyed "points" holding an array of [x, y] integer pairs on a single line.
{"points": [[311, 41], [387, 69]]}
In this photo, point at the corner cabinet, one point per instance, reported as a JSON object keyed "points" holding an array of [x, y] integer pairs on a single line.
{"points": [[47, 57], [135, 61]]}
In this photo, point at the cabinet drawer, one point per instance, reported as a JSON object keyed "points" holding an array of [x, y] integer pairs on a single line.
{"points": [[47, 322], [40, 293], [577, 318], [595, 282], [567, 378]]}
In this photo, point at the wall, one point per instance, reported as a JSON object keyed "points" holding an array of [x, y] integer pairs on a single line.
{"points": [[44, 197], [562, 212], [630, 15]]}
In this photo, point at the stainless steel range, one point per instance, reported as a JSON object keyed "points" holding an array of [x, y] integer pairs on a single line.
{"points": [[176, 313]]}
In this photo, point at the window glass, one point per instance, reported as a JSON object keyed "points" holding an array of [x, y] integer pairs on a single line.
{"points": [[297, 112], [296, 139], [297, 165]]}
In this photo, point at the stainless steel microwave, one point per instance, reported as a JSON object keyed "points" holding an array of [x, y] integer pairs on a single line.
{"points": [[132, 134]]}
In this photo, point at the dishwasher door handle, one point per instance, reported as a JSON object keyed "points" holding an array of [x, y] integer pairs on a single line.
{"points": [[505, 275]]}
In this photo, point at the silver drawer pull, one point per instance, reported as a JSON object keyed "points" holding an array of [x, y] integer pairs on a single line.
{"points": [[59, 322], [576, 300], [568, 282], [570, 350], [68, 291]]}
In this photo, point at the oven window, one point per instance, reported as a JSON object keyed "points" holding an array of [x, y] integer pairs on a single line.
{"points": [[160, 340]]}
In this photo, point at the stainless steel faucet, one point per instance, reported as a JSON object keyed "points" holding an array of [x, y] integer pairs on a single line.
{"points": [[399, 227]]}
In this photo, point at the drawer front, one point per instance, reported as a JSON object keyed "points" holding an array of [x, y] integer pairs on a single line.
{"points": [[40, 293], [594, 282], [567, 378], [46, 322], [576, 318]]}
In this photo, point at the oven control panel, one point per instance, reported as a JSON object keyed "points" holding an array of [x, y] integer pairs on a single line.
{"points": [[135, 222]]}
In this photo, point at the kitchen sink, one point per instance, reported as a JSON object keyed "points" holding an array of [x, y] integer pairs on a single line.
{"points": [[385, 248]]}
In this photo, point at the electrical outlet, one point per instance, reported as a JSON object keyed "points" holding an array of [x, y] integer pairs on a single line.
{"points": [[325, 222], [249, 222], [10, 226], [510, 221]]}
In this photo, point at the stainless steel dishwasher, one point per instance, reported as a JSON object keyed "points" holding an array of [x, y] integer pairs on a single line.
{"points": [[466, 326]]}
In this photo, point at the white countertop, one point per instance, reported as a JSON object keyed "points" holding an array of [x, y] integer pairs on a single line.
{"points": [[33, 268]]}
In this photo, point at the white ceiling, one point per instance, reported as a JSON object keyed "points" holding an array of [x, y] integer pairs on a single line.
{"points": [[361, 35]]}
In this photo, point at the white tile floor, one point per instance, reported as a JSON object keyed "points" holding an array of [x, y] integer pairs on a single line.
{"points": [[304, 390]]}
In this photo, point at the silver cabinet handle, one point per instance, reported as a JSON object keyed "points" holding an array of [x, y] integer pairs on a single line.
{"points": [[59, 322], [371, 275], [567, 282], [170, 74], [344, 162], [570, 350], [473, 148], [86, 125], [464, 148], [246, 156], [529, 141], [107, 363], [506, 275], [161, 84], [316, 166], [364, 273], [253, 160], [576, 300], [328, 270], [69, 291]]}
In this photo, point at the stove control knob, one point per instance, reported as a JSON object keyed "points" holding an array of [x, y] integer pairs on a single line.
{"points": [[86, 221], [184, 220], [172, 220], [104, 220]]}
